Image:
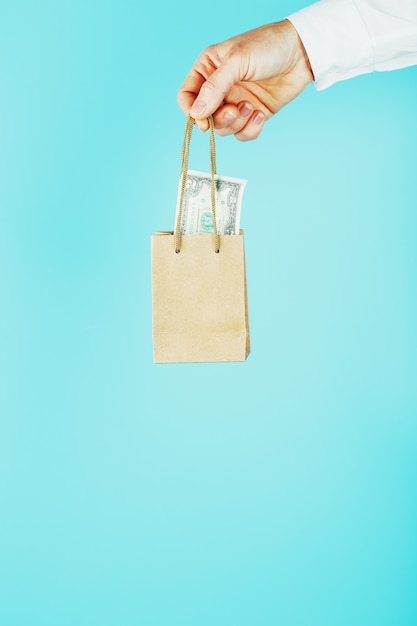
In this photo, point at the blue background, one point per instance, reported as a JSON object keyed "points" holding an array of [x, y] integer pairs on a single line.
{"points": [[281, 490]]}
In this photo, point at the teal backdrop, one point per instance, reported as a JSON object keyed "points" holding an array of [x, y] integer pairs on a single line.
{"points": [[279, 491]]}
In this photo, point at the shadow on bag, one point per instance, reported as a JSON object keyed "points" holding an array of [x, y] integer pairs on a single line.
{"points": [[199, 294]]}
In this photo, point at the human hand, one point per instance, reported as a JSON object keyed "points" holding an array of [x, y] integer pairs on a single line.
{"points": [[243, 81]]}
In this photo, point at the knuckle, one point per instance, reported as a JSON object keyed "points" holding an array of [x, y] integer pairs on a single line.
{"points": [[210, 51], [224, 132], [248, 134], [209, 86]]}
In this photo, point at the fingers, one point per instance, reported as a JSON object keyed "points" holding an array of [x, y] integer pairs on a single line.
{"points": [[242, 121], [252, 129], [230, 118]]}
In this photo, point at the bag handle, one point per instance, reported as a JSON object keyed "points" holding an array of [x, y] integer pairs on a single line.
{"points": [[185, 153]]}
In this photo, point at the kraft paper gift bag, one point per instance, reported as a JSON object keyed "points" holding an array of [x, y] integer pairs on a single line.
{"points": [[199, 295]]}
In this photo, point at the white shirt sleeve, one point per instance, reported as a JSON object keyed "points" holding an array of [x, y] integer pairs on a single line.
{"points": [[345, 38]]}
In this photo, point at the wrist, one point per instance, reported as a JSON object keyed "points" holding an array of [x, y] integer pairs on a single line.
{"points": [[301, 60]]}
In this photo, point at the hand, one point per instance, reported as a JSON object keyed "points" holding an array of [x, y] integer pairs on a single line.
{"points": [[243, 81]]}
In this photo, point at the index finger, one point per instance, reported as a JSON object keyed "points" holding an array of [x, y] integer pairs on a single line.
{"points": [[190, 89], [188, 93]]}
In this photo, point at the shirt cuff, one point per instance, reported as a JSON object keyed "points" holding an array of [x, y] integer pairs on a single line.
{"points": [[336, 41]]}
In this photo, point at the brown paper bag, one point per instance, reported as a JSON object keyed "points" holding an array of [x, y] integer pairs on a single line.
{"points": [[199, 295]]}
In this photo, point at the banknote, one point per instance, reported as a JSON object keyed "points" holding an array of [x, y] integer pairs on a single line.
{"points": [[197, 218]]}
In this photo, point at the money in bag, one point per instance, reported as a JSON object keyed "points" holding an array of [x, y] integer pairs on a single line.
{"points": [[199, 293]]}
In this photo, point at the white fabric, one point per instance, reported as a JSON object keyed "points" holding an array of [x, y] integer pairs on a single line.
{"points": [[345, 38]]}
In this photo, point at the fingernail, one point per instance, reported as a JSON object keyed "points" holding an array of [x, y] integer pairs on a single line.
{"points": [[258, 118], [245, 109], [198, 107], [229, 116]]}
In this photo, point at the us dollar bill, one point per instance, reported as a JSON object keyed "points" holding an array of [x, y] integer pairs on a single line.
{"points": [[197, 217]]}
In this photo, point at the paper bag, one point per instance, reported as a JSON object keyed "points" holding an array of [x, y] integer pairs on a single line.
{"points": [[199, 294]]}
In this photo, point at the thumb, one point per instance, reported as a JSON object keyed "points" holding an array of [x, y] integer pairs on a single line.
{"points": [[213, 91]]}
